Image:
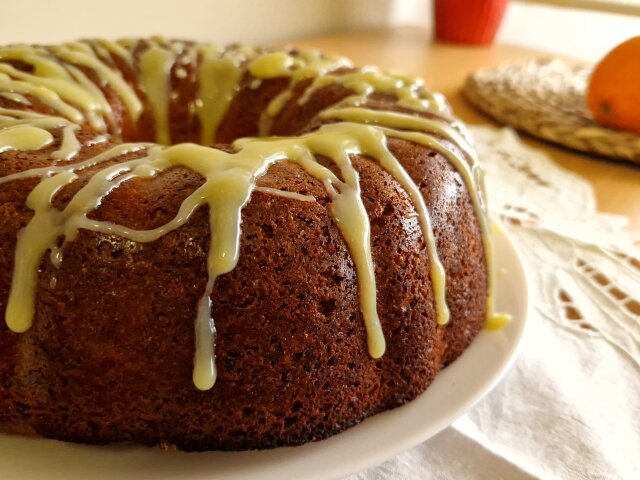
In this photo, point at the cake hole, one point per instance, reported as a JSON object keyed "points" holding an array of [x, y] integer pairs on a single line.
{"points": [[248, 302], [327, 307], [248, 411], [267, 231], [290, 421]]}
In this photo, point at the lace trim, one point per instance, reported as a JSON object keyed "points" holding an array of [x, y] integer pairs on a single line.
{"points": [[584, 265]]}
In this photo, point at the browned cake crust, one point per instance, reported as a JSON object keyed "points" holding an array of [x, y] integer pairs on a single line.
{"points": [[109, 356]]}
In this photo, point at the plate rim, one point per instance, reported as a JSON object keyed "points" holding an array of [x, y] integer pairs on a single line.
{"points": [[287, 461], [499, 231]]}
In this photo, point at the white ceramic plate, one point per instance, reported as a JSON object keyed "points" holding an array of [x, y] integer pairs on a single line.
{"points": [[376, 439]]}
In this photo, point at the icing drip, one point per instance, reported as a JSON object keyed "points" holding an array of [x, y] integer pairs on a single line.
{"points": [[352, 219], [110, 154], [467, 174], [370, 80], [272, 65], [60, 80], [117, 49], [438, 277], [83, 55], [285, 194], [97, 117], [276, 105], [155, 69], [70, 144], [97, 140], [24, 137], [469, 170], [218, 79], [15, 97], [43, 94], [33, 240], [497, 321], [309, 64], [229, 181], [62, 86]]}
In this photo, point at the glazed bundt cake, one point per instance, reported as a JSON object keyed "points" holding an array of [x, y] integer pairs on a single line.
{"points": [[321, 225]]}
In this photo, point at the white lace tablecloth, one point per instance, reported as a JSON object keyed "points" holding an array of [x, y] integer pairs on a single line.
{"points": [[569, 408]]}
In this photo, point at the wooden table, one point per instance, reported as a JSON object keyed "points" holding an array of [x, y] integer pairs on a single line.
{"points": [[445, 67]]}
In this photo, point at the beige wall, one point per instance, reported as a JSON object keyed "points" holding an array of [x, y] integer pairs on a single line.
{"points": [[580, 33], [247, 21], [574, 32]]}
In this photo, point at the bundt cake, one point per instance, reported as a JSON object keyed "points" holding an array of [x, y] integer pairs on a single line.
{"points": [[321, 225]]}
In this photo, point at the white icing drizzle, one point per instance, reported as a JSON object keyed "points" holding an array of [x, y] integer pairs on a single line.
{"points": [[15, 113], [285, 194], [272, 65], [155, 73], [469, 170], [42, 122], [15, 97], [43, 94], [218, 80], [24, 138], [98, 139], [98, 117], [86, 58], [438, 277], [275, 106], [63, 86], [467, 175], [309, 64], [70, 145], [33, 240], [117, 49], [58, 80], [115, 152]]}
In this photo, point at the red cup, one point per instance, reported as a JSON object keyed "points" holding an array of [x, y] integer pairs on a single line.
{"points": [[474, 22]]}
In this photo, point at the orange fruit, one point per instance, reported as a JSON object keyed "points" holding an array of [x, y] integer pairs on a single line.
{"points": [[613, 95]]}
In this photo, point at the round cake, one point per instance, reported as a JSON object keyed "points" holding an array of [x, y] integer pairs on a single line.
{"points": [[223, 248]]}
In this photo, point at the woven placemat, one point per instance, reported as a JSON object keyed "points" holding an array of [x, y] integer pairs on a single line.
{"points": [[546, 98]]}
